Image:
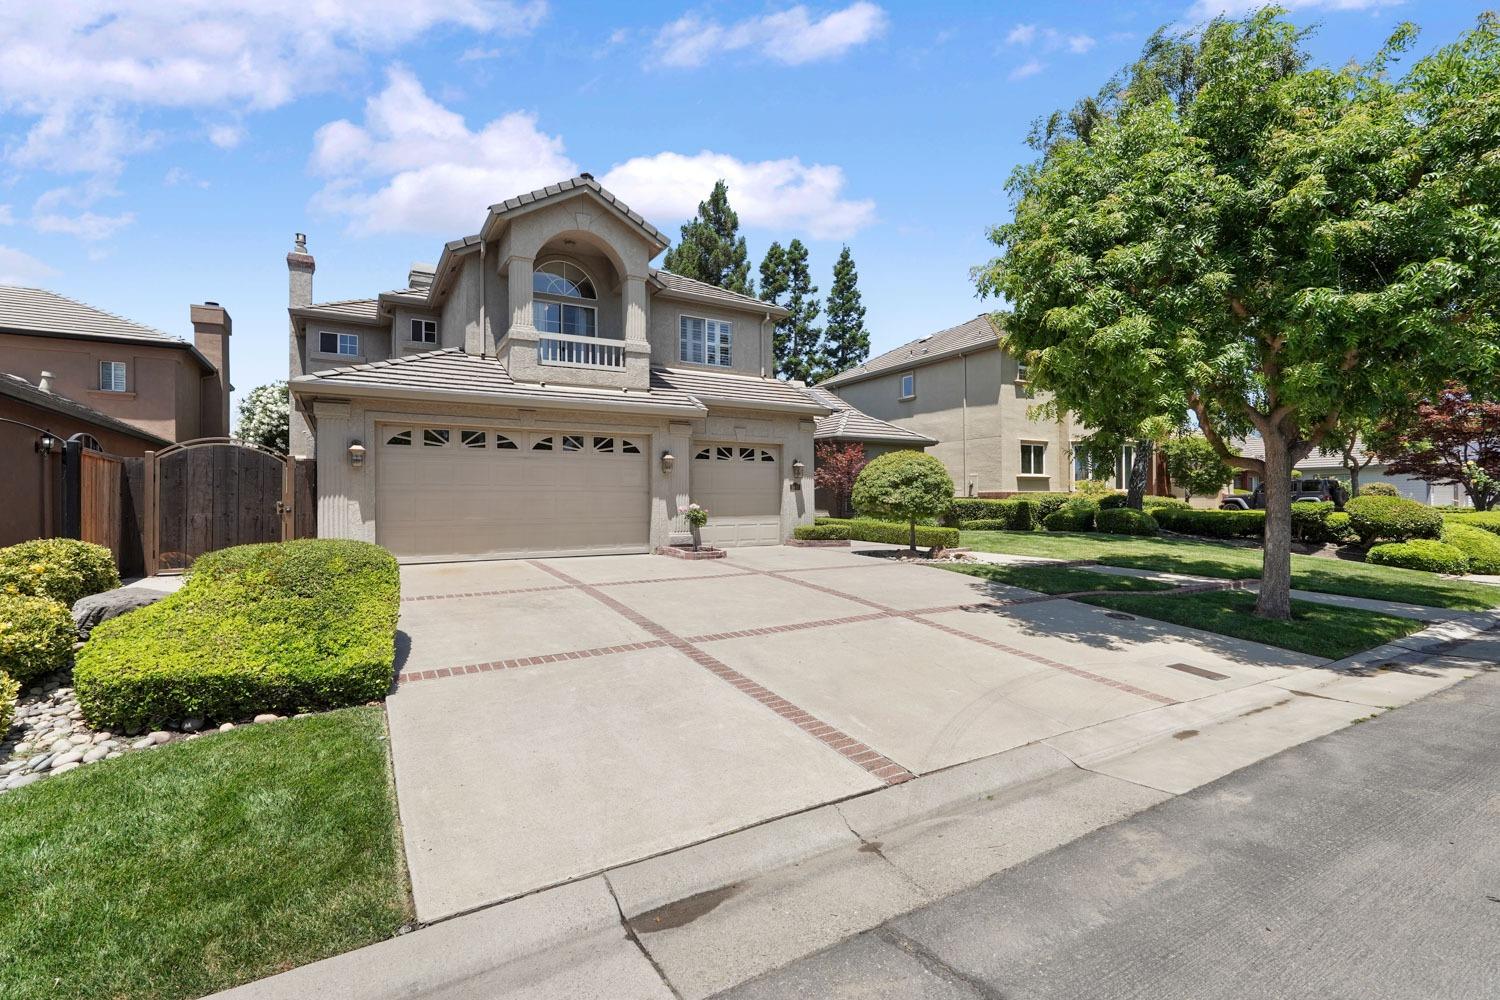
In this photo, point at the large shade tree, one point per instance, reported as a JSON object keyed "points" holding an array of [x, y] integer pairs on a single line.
{"points": [[1274, 245], [711, 248]]}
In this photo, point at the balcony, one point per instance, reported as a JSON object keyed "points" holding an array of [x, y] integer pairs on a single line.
{"points": [[564, 350]]}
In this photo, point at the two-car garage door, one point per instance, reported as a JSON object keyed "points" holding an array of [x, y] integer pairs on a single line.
{"points": [[472, 493]]}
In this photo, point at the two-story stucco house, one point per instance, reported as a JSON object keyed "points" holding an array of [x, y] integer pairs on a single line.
{"points": [[963, 389], [543, 390]]}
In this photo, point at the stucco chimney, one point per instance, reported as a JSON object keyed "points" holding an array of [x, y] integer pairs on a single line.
{"points": [[45, 382], [300, 267], [211, 329]]}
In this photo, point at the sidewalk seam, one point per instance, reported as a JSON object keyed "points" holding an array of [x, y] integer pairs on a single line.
{"points": [[930, 961], [635, 940]]}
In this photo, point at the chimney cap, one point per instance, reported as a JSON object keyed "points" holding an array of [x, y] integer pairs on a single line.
{"points": [[300, 240], [209, 302], [586, 175]]}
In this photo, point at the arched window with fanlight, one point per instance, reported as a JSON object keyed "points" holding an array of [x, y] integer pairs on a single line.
{"points": [[563, 298]]}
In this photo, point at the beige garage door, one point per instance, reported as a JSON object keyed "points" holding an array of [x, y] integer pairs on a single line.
{"points": [[471, 493], [741, 487]]}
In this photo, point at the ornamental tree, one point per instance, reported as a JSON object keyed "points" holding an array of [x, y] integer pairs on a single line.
{"points": [[265, 417], [1195, 465], [711, 248], [1276, 246], [1452, 439], [906, 485], [846, 340], [836, 467]]}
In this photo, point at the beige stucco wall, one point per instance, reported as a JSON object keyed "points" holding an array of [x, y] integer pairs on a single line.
{"points": [[747, 354], [979, 415], [164, 383]]}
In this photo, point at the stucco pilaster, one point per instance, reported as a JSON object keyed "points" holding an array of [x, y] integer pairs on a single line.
{"points": [[633, 297]]}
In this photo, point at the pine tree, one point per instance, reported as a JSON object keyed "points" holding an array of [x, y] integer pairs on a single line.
{"points": [[711, 248], [773, 288], [846, 341], [804, 358]]}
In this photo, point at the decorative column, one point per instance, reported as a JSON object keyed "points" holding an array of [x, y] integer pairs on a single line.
{"points": [[633, 307], [518, 275]]}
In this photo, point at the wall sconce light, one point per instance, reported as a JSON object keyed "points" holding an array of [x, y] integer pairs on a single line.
{"points": [[667, 461], [44, 444], [798, 468], [356, 453]]}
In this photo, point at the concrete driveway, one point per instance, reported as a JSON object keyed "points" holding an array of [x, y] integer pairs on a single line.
{"points": [[556, 718]]}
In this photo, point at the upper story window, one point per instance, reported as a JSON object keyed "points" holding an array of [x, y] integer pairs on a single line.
{"points": [[1033, 459], [346, 344], [424, 331], [1023, 372], [112, 376], [705, 341], [908, 385], [561, 292]]}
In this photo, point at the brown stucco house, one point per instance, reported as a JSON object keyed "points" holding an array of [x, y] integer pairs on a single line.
{"points": [[542, 389], [963, 390], [159, 384]]}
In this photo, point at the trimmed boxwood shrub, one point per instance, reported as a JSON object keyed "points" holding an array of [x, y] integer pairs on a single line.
{"points": [[1379, 490], [36, 637], [1113, 501], [9, 691], [1337, 524], [1016, 514], [821, 532], [1489, 520], [985, 525], [1212, 523], [1394, 518], [1125, 521], [1480, 547], [1151, 504], [865, 529], [1310, 521], [1048, 504], [285, 627], [1076, 515], [63, 569], [1420, 553]]}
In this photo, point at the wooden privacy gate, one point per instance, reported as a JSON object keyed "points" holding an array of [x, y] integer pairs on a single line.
{"points": [[99, 496], [210, 494]]}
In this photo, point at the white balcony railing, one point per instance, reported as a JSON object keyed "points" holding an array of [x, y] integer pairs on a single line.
{"points": [[569, 351]]}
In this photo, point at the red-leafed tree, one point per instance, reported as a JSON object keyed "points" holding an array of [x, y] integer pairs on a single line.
{"points": [[835, 468], [1451, 440]]}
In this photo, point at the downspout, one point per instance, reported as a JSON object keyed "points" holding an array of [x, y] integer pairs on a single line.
{"points": [[964, 462]]}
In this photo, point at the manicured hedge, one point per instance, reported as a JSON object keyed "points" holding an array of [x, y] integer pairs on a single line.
{"points": [[1048, 503], [1379, 489], [1212, 523], [1076, 515], [1311, 522], [9, 691], [36, 637], [1394, 518], [1420, 553], [63, 569], [864, 529], [1125, 521], [1113, 501], [821, 532], [1480, 547], [984, 524], [1154, 503], [1489, 520], [1015, 514], [285, 627]]}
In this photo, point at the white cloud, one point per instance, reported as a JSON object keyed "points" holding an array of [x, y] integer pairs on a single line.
{"points": [[178, 177], [1202, 10], [775, 194], [7, 217], [1021, 34], [226, 136], [69, 210], [414, 165], [1030, 67], [17, 268], [792, 36], [1079, 44]]}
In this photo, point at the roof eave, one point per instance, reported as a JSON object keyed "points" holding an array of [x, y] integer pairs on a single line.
{"points": [[736, 402], [107, 338], [751, 305], [312, 385], [310, 312], [850, 378]]}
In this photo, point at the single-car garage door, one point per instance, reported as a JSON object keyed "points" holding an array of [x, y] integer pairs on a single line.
{"points": [[472, 493], [740, 485]]}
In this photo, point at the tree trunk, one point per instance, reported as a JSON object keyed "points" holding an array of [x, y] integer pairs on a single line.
{"points": [[913, 536], [1275, 600], [1139, 470], [1353, 479]]}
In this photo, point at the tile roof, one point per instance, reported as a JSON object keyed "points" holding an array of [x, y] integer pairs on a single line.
{"points": [[724, 388], [846, 423], [1255, 447], [17, 387], [354, 310], [978, 332], [452, 370], [36, 310], [693, 288], [582, 181]]}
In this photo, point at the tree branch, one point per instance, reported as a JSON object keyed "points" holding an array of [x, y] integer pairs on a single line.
{"points": [[1212, 435]]}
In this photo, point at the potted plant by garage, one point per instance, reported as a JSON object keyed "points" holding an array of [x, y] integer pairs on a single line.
{"points": [[696, 517]]}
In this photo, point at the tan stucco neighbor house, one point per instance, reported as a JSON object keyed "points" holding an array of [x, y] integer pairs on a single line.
{"points": [[543, 390]]}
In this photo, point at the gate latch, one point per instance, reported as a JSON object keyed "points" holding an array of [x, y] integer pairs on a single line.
{"points": [[281, 507]]}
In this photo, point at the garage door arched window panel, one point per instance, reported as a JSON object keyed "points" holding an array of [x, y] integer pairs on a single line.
{"points": [[504, 443], [704, 455], [572, 442], [629, 448], [436, 437], [400, 439], [473, 439], [766, 456], [543, 444]]}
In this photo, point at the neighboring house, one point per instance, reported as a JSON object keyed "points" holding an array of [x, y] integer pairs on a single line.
{"points": [[847, 425], [542, 389], [1320, 465], [962, 389], [156, 383]]}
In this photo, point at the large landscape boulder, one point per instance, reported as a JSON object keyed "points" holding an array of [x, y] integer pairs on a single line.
{"points": [[88, 612]]}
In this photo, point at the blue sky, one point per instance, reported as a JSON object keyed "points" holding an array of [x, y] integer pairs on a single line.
{"points": [[154, 154]]}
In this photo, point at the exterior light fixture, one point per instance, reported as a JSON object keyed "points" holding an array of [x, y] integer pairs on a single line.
{"points": [[45, 442], [356, 453], [798, 468], [667, 461]]}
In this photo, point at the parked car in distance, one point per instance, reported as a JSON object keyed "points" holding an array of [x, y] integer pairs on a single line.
{"points": [[1303, 491]]}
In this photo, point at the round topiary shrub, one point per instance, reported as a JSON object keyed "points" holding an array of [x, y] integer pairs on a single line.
{"points": [[1125, 521], [1379, 490], [908, 486], [1481, 547], [63, 569], [1076, 515], [36, 636], [1112, 501], [1392, 518], [1420, 553]]}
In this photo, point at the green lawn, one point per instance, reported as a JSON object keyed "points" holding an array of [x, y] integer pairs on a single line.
{"points": [[1054, 579], [194, 867], [1318, 629], [1328, 576]]}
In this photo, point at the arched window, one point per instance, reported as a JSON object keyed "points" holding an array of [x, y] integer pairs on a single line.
{"points": [[562, 299]]}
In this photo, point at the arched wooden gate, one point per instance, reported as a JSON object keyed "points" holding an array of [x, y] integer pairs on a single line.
{"points": [[209, 494]]}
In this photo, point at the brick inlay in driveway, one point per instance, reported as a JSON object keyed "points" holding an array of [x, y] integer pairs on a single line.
{"points": [[525, 661], [856, 752]]}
